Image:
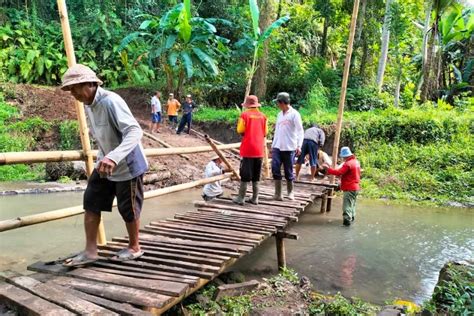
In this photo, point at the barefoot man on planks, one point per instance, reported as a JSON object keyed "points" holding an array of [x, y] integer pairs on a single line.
{"points": [[120, 166]]}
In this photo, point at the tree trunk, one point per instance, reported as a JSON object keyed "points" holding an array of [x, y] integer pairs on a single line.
{"points": [[424, 47], [280, 5], [398, 86], [324, 44], [364, 58], [431, 69], [181, 79], [384, 46], [169, 78], [360, 23], [260, 77]]}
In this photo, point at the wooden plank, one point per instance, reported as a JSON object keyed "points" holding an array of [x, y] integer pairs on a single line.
{"points": [[267, 200], [25, 303], [167, 255], [260, 207], [237, 289], [120, 308], [216, 224], [223, 220], [159, 286], [176, 232], [57, 295], [208, 247], [175, 251], [227, 209], [318, 183], [173, 263], [113, 292], [252, 220], [216, 231]]}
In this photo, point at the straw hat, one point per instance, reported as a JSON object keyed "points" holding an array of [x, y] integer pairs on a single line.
{"points": [[251, 101], [78, 74], [215, 157]]}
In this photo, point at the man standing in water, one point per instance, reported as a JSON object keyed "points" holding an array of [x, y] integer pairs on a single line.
{"points": [[287, 142], [120, 165], [350, 179]]}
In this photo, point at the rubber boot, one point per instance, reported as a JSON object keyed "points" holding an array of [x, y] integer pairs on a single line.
{"points": [[255, 190], [289, 187], [240, 199], [278, 195]]}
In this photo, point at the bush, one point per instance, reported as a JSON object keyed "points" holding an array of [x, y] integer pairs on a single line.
{"points": [[69, 137], [364, 99], [318, 97]]}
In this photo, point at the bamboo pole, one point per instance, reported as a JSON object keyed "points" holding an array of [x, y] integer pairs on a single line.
{"points": [[29, 157], [266, 162], [222, 157], [81, 115], [345, 77], [77, 210], [161, 142]]}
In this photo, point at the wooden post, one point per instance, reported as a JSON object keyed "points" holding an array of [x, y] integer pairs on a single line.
{"points": [[281, 256], [266, 164], [222, 157], [345, 77], [330, 198], [324, 201], [81, 115]]}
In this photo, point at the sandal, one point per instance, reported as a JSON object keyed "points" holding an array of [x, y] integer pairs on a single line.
{"points": [[126, 254], [79, 260]]}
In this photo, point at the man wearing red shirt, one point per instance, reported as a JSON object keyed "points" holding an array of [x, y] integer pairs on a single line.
{"points": [[350, 179], [252, 126]]}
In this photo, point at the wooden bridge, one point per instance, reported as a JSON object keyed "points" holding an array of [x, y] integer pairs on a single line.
{"points": [[182, 254]]}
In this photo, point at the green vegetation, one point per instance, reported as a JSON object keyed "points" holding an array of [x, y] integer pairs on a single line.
{"points": [[454, 295], [339, 305], [69, 135]]}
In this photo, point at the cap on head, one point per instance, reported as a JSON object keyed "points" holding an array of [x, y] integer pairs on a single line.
{"points": [[188, 96], [345, 152], [171, 95], [283, 97], [78, 74], [214, 158], [251, 101]]}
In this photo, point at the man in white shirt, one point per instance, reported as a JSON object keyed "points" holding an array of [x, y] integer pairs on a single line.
{"points": [[213, 190], [287, 141], [155, 113]]}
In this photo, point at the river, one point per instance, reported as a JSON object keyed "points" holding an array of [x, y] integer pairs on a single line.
{"points": [[392, 251]]}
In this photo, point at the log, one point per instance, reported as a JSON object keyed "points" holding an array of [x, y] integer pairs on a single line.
{"points": [[233, 151], [222, 157], [162, 143], [238, 289], [77, 210]]}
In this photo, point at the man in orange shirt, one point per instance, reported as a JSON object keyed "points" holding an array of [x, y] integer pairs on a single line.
{"points": [[252, 126], [173, 107]]}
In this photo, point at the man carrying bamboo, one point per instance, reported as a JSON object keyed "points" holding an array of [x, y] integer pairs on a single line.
{"points": [[287, 141], [252, 125], [120, 166]]}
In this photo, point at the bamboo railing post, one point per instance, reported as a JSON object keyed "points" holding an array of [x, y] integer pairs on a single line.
{"points": [[266, 164], [81, 115], [222, 157], [345, 78]]}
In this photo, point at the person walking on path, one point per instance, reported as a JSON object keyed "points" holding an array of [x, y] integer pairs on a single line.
{"points": [[120, 165], [287, 142], [172, 107], [314, 139], [252, 125], [350, 183], [213, 190], [187, 108], [155, 113]]}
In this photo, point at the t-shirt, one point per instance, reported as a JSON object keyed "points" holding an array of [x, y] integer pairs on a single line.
{"points": [[188, 107], [214, 188], [316, 135], [118, 135], [289, 131], [155, 103], [253, 125], [173, 107]]}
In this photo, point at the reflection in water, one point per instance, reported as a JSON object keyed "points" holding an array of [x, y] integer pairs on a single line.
{"points": [[390, 252]]}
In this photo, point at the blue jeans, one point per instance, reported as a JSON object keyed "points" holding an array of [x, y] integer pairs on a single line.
{"points": [[311, 148], [185, 119], [286, 158]]}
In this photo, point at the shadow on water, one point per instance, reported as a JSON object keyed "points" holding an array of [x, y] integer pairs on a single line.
{"points": [[390, 252]]}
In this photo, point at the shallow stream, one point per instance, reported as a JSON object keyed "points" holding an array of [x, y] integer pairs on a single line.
{"points": [[391, 251]]}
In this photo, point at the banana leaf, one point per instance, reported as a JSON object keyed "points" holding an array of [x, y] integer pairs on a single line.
{"points": [[188, 63], [272, 27], [207, 60], [255, 13]]}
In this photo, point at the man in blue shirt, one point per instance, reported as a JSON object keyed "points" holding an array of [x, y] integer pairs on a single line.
{"points": [[187, 108]]}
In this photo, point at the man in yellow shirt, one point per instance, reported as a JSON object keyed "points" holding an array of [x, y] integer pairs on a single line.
{"points": [[173, 107]]}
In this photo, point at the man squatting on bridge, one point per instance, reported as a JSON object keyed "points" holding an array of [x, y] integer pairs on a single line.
{"points": [[120, 165], [213, 190], [287, 141], [252, 125]]}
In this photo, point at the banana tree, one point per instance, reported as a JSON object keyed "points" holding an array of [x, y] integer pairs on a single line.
{"points": [[184, 46], [259, 37]]}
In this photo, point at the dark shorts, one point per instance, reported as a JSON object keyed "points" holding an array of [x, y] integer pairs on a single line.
{"points": [[173, 118], [156, 117], [250, 169], [309, 148], [100, 194]]}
